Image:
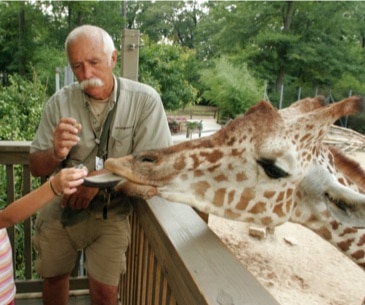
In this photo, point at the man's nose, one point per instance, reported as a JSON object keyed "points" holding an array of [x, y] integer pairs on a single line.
{"points": [[87, 72]]}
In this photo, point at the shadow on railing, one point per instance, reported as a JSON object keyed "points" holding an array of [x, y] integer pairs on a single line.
{"points": [[174, 257]]}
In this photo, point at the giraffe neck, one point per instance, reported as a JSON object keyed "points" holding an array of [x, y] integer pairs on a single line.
{"points": [[350, 241]]}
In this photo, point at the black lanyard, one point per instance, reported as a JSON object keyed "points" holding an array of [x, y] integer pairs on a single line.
{"points": [[102, 152]]}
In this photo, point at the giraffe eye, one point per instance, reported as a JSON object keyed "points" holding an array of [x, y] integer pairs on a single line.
{"points": [[271, 169]]}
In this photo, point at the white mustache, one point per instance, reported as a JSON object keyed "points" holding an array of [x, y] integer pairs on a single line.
{"points": [[91, 82]]}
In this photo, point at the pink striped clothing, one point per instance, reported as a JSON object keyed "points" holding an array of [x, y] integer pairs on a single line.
{"points": [[7, 285]]}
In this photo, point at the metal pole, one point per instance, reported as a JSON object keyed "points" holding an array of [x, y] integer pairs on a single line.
{"points": [[57, 79], [281, 96]]}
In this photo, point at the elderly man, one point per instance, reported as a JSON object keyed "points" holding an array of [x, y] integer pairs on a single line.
{"points": [[98, 117]]}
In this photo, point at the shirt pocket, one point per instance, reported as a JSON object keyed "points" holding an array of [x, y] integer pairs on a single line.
{"points": [[121, 143]]}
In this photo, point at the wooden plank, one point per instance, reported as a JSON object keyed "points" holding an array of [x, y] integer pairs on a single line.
{"points": [[14, 152], [201, 270], [27, 250], [35, 286]]}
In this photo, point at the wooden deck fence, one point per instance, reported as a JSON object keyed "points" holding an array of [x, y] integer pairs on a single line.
{"points": [[174, 257]]}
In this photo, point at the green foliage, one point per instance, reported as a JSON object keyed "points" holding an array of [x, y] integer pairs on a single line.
{"points": [[286, 41], [46, 70], [351, 82], [230, 87], [168, 68], [21, 106], [305, 47]]}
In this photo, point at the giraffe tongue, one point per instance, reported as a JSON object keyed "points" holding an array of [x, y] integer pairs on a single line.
{"points": [[136, 190]]}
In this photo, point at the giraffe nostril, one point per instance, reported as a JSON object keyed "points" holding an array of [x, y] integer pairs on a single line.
{"points": [[149, 159]]}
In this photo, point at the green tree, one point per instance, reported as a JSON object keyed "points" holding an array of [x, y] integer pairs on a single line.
{"points": [[174, 21], [287, 41], [168, 68], [230, 87], [21, 34], [21, 105]]}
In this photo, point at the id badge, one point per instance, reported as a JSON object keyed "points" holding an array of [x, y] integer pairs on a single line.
{"points": [[99, 163]]}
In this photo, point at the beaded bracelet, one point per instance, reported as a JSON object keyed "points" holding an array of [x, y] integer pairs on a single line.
{"points": [[52, 188]]}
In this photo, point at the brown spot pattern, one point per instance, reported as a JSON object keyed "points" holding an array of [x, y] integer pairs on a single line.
{"points": [[358, 254], [230, 214], [361, 241], [198, 173], [362, 265], [218, 198], [200, 188], [179, 163], [266, 221], [258, 208], [269, 194], [195, 159], [334, 225], [278, 210], [345, 245], [184, 177], [304, 138], [348, 231], [232, 141], [325, 233], [298, 213], [212, 157], [231, 196], [246, 196], [235, 152], [280, 197], [241, 177], [220, 178], [289, 192]]}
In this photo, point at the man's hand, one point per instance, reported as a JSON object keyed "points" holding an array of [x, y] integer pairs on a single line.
{"points": [[65, 137], [82, 197]]}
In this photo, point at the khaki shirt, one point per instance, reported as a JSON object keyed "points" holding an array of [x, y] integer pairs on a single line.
{"points": [[139, 122]]}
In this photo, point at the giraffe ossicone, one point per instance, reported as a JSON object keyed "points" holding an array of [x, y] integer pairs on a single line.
{"points": [[266, 167]]}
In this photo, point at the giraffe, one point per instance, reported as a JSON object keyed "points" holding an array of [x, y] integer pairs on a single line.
{"points": [[266, 167]]}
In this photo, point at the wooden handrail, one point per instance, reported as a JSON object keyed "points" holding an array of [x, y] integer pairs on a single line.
{"points": [[174, 257]]}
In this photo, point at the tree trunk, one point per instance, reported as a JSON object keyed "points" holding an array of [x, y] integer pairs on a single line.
{"points": [[288, 16], [21, 42], [280, 76]]}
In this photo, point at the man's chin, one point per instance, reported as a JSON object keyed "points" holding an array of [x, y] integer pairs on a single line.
{"points": [[94, 92]]}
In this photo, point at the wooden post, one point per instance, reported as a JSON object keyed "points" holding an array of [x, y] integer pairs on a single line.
{"points": [[130, 53]]}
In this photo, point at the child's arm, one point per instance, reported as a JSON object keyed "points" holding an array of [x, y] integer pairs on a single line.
{"points": [[66, 181]]}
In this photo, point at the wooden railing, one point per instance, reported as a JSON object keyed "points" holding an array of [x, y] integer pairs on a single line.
{"points": [[174, 258]]}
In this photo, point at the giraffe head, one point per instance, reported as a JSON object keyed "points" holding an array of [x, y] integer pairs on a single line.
{"points": [[250, 169], [265, 167]]}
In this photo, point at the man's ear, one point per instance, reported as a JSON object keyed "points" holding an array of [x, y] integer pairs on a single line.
{"points": [[114, 58]]}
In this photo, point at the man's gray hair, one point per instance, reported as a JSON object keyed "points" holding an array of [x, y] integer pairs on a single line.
{"points": [[90, 30]]}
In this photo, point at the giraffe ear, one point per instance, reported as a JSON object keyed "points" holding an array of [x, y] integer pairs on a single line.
{"points": [[345, 205]]}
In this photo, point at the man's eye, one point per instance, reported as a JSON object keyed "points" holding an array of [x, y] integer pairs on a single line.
{"points": [[271, 169]]}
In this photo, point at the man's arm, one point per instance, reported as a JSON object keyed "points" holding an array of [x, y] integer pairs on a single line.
{"points": [[43, 163]]}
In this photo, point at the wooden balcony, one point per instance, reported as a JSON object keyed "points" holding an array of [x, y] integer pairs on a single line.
{"points": [[174, 257]]}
